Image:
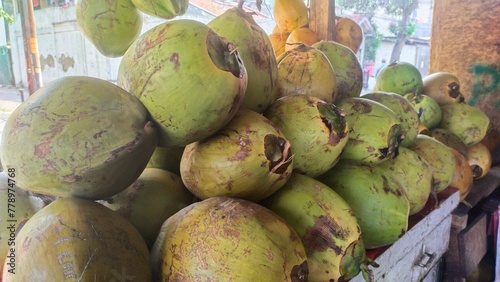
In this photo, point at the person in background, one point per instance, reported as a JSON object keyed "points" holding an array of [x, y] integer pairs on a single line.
{"points": [[368, 72], [380, 67]]}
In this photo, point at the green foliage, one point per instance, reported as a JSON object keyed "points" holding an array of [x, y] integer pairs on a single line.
{"points": [[372, 43], [6, 16], [361, 6], [401, 9], [400, 29]]}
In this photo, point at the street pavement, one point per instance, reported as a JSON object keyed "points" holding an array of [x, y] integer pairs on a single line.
{"points": [[10, 99]]}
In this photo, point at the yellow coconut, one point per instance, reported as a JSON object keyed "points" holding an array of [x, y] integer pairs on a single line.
{"points": [[303, 35], [290, 14], [349, 33], [278, 40]]}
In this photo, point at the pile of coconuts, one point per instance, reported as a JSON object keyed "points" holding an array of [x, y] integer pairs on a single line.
{"points": [[213, 159]]}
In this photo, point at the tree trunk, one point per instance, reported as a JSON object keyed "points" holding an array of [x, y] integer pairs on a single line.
{"points": [[398, 48], [402, 37]]}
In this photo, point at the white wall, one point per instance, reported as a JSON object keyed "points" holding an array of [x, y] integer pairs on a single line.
{"points": [[3, 38], [63, 49]]}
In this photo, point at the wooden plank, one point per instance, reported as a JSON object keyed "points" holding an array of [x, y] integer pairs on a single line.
{"points": [[483, 187], [416, 258], [473, 245], [468, 47], [422, 257], [497, 259], [322, 18], [453, 258], [406, 249]]}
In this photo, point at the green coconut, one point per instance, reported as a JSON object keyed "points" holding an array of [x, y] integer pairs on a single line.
{"points": [[327, 226], [111, 26], [305, 70], [79, 240], [404, 111], [467, 122], [375, 131], [17, 209], [256, 51], [415, 176], [377, 199], [78, 136], [449, 139], [165, 9], [345, 64], [428, 110], [190, 79], [317, 131], [440, 159], [167, 158], [249, 158], [228, 239], [399, 77], [156, 195]]}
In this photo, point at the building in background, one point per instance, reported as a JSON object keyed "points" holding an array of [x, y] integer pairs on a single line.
{"points": [[65, 51], [416, 50]]}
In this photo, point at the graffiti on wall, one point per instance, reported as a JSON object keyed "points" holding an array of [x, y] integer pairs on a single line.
{"points": [[47, 61], [66, 62], [486, 82]]}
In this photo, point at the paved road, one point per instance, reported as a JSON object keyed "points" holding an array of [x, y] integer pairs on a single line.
{"points": [[10, 99]]}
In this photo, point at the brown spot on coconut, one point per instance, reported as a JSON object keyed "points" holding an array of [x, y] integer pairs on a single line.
{"points": [[326, 224], [222, 246], [196, 50], [248, 158], [71, 162], [317, 131], [79, 239]]}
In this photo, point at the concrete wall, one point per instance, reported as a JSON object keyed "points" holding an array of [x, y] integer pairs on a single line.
{"points": [[64, 51]]}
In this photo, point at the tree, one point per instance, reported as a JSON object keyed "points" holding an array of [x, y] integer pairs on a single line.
{"points": [[6, 16], [402, 9], [372, 43]]}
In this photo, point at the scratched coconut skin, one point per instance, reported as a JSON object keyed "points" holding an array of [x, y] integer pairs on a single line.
{"points": [[355, 183], [399, 77], [375, 131], [440, 159], [348, 71], [79, 240], [78, 136], [211, 239], [256, 52], [305, 70], [449, 139], [165, 9], [156, 195], [429, 111], [249, 158], [317, 131], [414, 174], [190, 79], [22, 209], [404, 111], [111, 26], [326, 224], [469, 123]]}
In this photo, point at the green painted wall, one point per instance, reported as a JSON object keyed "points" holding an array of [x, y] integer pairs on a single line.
{"points": [[5, 73]]}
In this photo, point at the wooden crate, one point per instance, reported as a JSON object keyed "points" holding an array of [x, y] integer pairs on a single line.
{"points": [[412, 256], [468, 242]]}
